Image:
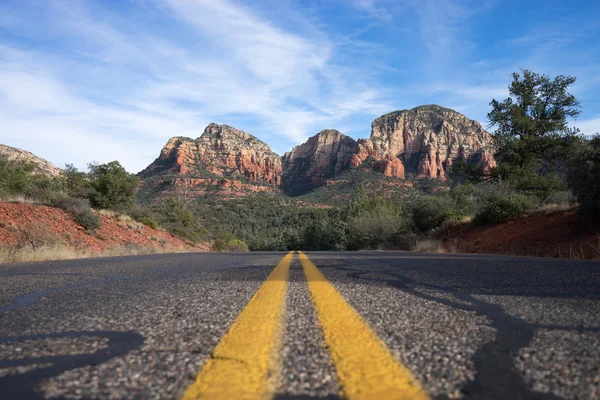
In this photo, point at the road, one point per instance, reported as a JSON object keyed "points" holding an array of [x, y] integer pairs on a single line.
{"points": [[319, 325]]}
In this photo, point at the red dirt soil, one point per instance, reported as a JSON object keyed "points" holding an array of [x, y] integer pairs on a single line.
{"points": [[555, 234], [48, 223]]}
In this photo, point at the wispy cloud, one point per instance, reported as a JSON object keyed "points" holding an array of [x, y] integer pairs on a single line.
{"points": [[124, 84], [91, 80]]}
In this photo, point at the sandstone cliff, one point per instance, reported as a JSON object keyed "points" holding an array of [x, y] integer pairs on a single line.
{"points": [[408, 144], [424, 141], [222, 158], [42, 166], [322, 156]]}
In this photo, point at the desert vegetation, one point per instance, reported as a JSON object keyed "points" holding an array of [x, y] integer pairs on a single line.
{"points": [[543, 166], [106, 189]]}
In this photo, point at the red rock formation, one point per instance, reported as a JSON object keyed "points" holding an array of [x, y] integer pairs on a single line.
{"points": [[433, 136], [221, 157], [322, 156]]}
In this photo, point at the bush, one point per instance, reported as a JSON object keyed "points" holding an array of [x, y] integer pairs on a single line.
{"points": [[584, 178], [81, 212], [88, 220], [228, 242], [15, 176], [149, 221], [373, 230], [175, 216], [502, 209], [325, 234], [430, 212], [73, 205]]}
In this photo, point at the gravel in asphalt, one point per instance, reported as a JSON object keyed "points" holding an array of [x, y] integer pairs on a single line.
{"points": [[472, 327], [306, 367]]}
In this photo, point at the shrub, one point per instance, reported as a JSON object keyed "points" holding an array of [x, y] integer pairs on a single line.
{"points": [[228, 242], [149, 221], [88, 220], [430, 212], [325, 234], [584, 178], [502, 209], [175, 216], [15, 176], [81, 212], [73, 205], [373, 230]]}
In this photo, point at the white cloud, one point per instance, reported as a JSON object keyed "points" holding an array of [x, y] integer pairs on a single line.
{"points": [[588, 126], [125, 88]]}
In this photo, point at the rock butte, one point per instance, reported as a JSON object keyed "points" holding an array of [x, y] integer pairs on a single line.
{"points": [[42, 166], [422, 142]]}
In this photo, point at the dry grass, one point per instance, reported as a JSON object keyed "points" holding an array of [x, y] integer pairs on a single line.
{"points": [[125, 221], [57, 251], [21, 199], [429, 246], [550, 209], [107, 213]]}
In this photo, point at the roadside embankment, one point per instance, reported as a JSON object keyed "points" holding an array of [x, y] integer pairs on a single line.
{"points": [[32, 232]]}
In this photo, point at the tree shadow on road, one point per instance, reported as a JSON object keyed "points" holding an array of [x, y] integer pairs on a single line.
{"points": [[496, 375], [24, 385]]}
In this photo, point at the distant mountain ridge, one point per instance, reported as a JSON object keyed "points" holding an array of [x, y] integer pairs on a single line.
{"points": [[43, 166], [225, 162], [422, 142]]}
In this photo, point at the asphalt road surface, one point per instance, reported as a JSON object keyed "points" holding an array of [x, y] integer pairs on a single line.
{"points": [[336, 324]]}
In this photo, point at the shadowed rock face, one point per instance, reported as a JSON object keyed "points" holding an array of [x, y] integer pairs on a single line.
{"points": [[322, 156], [223, 154], [426, 139], [42, 166]]}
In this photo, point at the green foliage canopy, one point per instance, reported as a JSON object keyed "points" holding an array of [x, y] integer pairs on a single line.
{"points": [[114, 187]]}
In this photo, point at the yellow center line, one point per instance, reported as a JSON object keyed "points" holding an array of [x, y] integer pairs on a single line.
{"points": [[366, 369], [243, 363]]}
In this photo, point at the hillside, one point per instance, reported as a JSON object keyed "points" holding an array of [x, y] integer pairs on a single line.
{"points": [[42, 166], [32, 232], [557, 234]]}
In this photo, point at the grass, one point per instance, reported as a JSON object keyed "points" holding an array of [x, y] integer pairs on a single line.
{"points": [[21, 199], [429, 246], [57, 251], [551, 208]]}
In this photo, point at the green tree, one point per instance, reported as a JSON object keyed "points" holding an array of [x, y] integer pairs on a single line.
{"points": [[114, 187], [359, 201], [76, 182], [15, 176], [532, 134], [531, 124]]}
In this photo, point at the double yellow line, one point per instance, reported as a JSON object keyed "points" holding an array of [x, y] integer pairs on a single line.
{"points": [[244, 363]]}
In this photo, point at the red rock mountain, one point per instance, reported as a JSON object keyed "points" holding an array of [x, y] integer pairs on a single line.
{"points": [[323, 156], [408, 144], [422, 142], [222, 159], [425, 140]]}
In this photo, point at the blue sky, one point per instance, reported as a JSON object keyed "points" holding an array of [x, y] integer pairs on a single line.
{"points": [[114, 79]]}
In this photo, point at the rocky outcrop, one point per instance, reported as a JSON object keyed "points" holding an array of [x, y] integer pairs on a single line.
{"points": [[410, 144], [222, 157], [322, 156], [42, 166], [426, 141]]}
